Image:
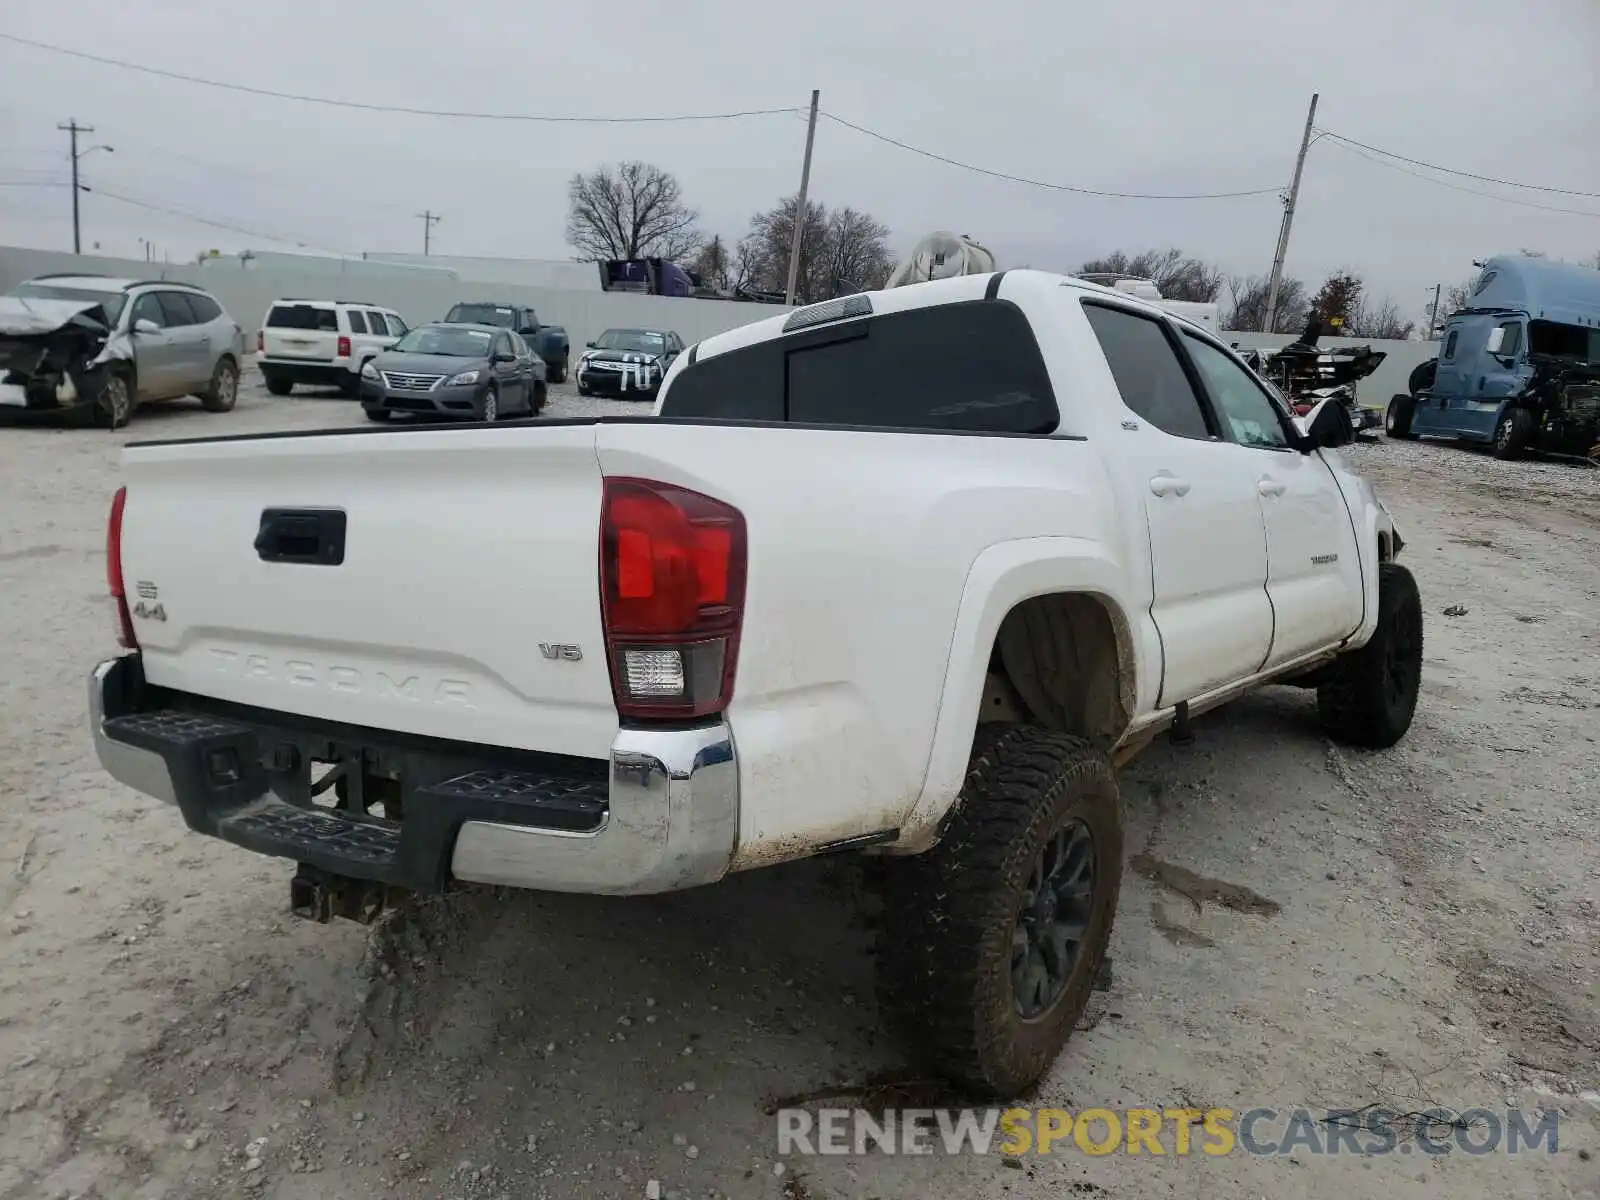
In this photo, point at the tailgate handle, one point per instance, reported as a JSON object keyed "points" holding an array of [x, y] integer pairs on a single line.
{"points": [[302, 535]]}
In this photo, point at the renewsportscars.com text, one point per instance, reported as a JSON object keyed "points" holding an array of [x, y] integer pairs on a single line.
{"points": [[1167, 1132]]}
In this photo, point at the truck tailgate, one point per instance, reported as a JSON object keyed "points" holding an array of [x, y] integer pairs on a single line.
{"points": [[465, 603]]}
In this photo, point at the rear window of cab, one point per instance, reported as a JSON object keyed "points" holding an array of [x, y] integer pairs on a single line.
{"points": [[969, 367]]}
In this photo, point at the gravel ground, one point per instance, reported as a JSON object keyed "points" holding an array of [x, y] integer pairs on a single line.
{"points": [[1431, 936]]}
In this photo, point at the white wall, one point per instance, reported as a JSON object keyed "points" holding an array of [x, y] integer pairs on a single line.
{"points": [[247, 291], [560, 275]]}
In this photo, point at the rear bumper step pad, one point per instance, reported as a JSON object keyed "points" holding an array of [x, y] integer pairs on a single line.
{"points": [[248, 783], [659, 815]]}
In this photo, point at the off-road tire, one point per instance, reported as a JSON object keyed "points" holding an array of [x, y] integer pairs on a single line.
{"points": [[1397, 418], [945, 950], [223, 393], [1513, 432], [277, 384], [1369, 695]]}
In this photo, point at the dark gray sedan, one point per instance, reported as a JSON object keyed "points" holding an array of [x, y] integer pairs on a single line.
{"points": [[455, 372]]}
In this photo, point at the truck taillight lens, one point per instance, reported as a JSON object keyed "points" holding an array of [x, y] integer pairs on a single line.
{"points": [[119, 592], [344, 347], [672, 575]]}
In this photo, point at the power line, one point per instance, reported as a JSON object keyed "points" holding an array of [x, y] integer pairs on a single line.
{"points": [[188, 215], [1456, 187], [34, 183], [330, 102], [1040, 183], [1417, 162]]}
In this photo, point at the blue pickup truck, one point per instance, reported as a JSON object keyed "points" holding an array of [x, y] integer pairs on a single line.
{"points": [[549, 342], [1518, 369]]}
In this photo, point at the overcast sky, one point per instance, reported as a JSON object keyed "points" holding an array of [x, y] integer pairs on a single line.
{"points": [[1153, 96]]}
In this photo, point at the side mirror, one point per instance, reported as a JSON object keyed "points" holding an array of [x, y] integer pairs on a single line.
{"points": [[146, 325], [1325, 427], [1497, 338], [590, 345]]}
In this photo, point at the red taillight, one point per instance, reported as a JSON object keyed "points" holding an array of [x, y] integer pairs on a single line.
{"points": [[261, 341], [344, 347], [119, 593], [672, 572]]}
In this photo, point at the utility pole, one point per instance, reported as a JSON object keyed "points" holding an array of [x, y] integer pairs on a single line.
{"points": [[429, 219], [1433, 325], [73, 129], [800, 208], [1288, 220]]}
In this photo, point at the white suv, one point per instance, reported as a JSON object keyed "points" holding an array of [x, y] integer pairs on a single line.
{"points": [[323, 342]]}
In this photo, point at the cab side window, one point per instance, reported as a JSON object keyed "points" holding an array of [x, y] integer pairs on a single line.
{"points": [[1450, 343], [1148, 374], [1511, 345], [1245, 407]]}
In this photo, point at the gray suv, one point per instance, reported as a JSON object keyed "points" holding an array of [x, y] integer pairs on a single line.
{"points": [[99, 347]]}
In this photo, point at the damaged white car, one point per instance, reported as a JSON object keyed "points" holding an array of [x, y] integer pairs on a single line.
{"points": [[96, 348]]}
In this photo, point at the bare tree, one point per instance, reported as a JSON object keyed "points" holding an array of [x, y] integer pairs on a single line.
{"points": [[855, 254], [634, 210], [841, 252], [711, 264], [1451, 300], [1247, 305], [746, 268], [1378, 320], [1177, 277]]}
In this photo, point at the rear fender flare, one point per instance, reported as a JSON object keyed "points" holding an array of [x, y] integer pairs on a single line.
{"points": [[1000, 578]]}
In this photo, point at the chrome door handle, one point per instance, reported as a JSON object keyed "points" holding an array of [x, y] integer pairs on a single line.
{"points": [[1270, 487], [1169, 485]]}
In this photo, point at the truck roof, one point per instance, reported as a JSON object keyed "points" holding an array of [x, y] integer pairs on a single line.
{"points": [[1545, 290], [916, 295]]}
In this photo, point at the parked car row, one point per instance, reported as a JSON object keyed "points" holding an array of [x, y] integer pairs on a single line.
{"points": [[484, 361]]}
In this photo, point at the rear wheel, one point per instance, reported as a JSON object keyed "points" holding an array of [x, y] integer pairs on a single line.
{"points": [[1397, 420], [277, 384], [994, 937], [1513, 433], [1369, 695], [223, 393], [558, 373]]}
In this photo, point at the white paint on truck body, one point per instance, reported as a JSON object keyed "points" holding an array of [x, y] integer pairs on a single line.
{"points": [[880, 567]]}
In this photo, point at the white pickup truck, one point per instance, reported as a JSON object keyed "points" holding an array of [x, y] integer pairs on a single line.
{"points": [[908, 572]]}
